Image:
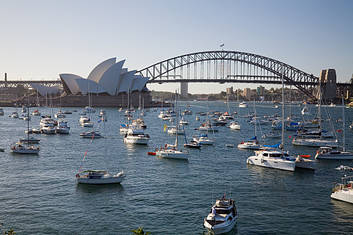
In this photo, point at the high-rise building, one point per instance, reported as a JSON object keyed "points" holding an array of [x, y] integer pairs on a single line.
{"points": [[260, 91], [229, 91], [247, 93], [184, 89]]}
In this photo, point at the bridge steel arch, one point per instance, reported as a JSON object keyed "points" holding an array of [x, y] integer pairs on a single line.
{"points": [[229, 66]]}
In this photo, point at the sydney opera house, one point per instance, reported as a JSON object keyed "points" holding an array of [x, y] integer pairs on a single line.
{"points": [[108, 84]]}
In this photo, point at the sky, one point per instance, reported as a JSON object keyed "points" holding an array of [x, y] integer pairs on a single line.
{"points": [[42, 38]]}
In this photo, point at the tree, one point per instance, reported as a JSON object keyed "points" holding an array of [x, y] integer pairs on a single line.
{"points": [[140, 231]]}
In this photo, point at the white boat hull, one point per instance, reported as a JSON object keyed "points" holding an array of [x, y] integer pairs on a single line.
{"points": [[315, 143], [221, 228], [249, 146], [271, 163], [234, 127], [172, 154], [133, 140], [345, 195]]}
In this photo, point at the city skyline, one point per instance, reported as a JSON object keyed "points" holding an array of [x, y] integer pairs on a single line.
{"points": [[43, 39]]}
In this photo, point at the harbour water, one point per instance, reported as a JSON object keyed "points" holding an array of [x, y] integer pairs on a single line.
{"points": [[39, 194]]}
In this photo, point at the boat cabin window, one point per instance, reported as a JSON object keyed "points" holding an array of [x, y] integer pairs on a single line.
{"points": [[223, 211], [265, 154]]}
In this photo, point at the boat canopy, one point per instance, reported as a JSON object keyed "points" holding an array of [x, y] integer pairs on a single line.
{"points": [[272, 146]]}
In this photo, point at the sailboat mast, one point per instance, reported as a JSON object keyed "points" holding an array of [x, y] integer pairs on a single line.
{"points": [[282, 136], [319, 108], [344, 127], [255, 119], [177, 120]]}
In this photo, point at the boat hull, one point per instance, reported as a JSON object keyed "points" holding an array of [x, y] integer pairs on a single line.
{"points": [[341, 156], [110, 180], [220, 228], [140, 141], [271, 163], [177, 155], [343, 195]]}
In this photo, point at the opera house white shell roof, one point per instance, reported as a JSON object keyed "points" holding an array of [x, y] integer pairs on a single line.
{"points": [[108, 77]]}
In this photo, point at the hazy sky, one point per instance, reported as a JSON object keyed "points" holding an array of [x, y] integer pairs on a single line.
{"points": [[40, 39]]}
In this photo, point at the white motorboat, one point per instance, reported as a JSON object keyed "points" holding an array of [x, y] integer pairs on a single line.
{"points": [[315, 142], [276, 159], [344, 191], [222, 217], [203, 140], [14, 115], [24, 149], [328, 153], [91, 135], [173, 130], [62, 127], [136, 136], [252, 144], [243, 105], [59, 114], [207, 126], [85, 121], [48, 129], [99, 177], [234, 126], [47, 121]]}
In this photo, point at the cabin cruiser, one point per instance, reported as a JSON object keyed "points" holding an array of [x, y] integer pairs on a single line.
{"points": [[139, 123], [207, 127], [62, 127], [276, 159], [173, 130], [222, 217], [192, 144], [136, 136], [59, 115], [328, 153], [99, 177], [243, 105], [315, 142], [203, 140], [250, 144], [48, 129], [14, 115], [47, 120], [85, 121], [91, 135], [344, 191], [24, 148], [234, 126], [226, 116]]}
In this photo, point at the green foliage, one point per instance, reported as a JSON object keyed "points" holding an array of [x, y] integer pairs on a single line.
{"points": [[140, 231], [10, 232]]}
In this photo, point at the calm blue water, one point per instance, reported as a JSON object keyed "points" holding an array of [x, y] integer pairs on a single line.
{"points": [[39, 195]]}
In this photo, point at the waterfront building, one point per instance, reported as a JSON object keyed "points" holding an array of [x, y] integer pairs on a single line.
{"points": [[108, 77]]}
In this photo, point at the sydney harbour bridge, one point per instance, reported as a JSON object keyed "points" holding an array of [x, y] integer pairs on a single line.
{"points": [[219, 67]]}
